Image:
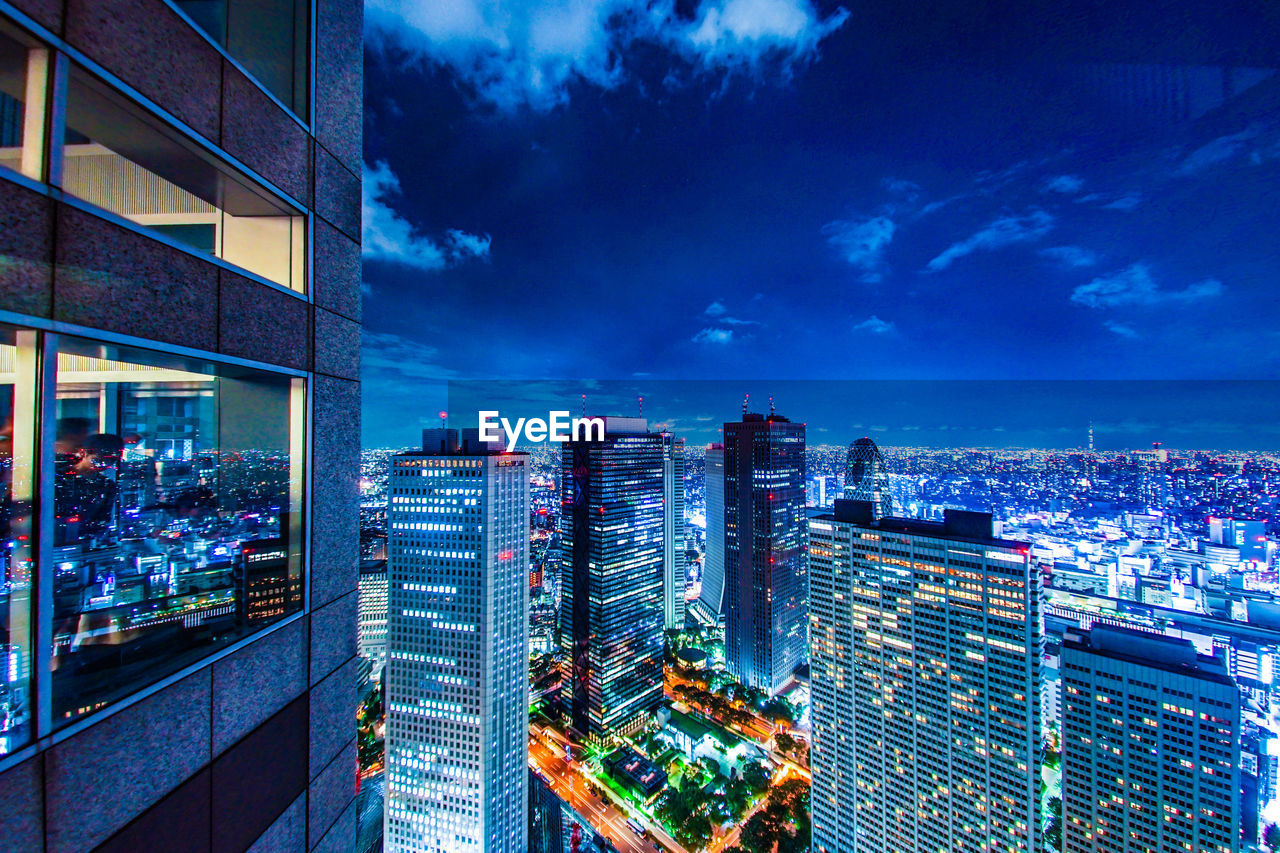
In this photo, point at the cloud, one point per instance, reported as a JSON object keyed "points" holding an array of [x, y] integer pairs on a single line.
{"points": [[875, 326], [1128, 201], [1122, 330], [1065, 184], [1004, 231], [513, 53], [713, 336], [1134, 285], [862, 243], [1216, 151], [718, 312], [393, 356], [908, 190], [1071, 256], [716, 309], [390, 238]]}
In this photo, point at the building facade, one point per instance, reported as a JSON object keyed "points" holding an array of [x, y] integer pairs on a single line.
{"points": [[1150, 746], [458, 648], [765, 626], [179, 398], [372, 620], [673, 547], [611, 569], [926, 643]]}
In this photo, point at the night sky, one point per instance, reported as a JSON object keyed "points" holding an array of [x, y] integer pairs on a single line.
{"points": [[756, 191]]}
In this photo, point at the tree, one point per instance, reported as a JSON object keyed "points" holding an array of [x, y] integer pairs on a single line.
{"points": [[756, 777], [1271, 836]]}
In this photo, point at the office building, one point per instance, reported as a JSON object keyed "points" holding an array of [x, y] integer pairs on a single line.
{"points": [[764, 561], [866, 478], [1150, 745], [927, 646], [611, 564], [371, 640], [179, 335], [711, 597], [673, 548], [457, 648]]}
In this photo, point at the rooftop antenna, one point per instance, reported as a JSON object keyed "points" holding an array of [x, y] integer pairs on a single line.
{"points": [[744, 404], [640, 399], [444, 419], [771, 404], [584, 405]]}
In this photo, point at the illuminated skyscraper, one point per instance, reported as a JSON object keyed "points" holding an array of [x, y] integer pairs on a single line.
{"points": [[711, 598], [926, 642], [611, 568], [673, 559], [865, 476], [457, 648], [1150, 746], [764, 560]]}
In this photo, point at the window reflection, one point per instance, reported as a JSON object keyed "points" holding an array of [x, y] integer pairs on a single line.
{"points": [[177, 489], [270, 38], [17, 437], [121, 160]]}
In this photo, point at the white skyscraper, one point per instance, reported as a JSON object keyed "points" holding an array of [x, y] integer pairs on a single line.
{"points": [[457, 643], [372, 608], [1150, 746], [926, 646], [673, 557], [712, 595]]}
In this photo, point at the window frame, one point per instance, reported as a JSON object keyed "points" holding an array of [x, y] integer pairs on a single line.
{"points": [[43, 730], [60, 55]]}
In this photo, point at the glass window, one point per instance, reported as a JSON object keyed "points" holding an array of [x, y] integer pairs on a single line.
{"points": [[23, 79], [270, 38], [177, 515], [17, 455], [118, 158]]}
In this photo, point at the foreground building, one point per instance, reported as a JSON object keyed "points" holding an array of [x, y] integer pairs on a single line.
{"points": [[179, 398], [926, 644], [1150, 746], [765, 634], [710, 604], [611, 568], [458, 648]]}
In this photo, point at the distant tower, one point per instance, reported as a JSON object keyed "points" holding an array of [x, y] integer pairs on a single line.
{"points": [[1091, 466], [674, 573], [865, 477], [713, 564]]}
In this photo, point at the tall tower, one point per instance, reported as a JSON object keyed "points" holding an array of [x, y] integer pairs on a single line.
{"points": [[865, 477], [927, 647], [764, 562], [1150, 747], [673, 558], [457, 642], [712, 595], [611, 568]]}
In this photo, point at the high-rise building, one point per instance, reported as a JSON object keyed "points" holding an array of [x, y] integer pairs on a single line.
{"points": [[546, 817], [611, 569], [711, 597], [179, 326], [926, 642], [1150, 746], [673, 548], [457, 648], [866, 478], [371, 639], [764, 561]]}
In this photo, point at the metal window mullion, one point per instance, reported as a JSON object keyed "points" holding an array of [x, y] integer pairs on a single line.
{"points": [[45, 415]]}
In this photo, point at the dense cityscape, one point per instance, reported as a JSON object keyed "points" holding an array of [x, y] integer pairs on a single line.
{"points": [[1113, 563]]}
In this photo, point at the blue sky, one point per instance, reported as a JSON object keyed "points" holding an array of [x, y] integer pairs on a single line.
{"points": [[786, 190]]}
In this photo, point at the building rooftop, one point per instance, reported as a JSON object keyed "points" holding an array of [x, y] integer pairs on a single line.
{"points": [[1157, 651], [959, 525]]}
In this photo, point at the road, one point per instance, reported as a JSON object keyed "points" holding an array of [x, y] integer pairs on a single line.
{"points": [[603, 816]]}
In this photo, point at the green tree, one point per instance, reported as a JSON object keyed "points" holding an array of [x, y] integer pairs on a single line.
{"points": [[1271, 836]]}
